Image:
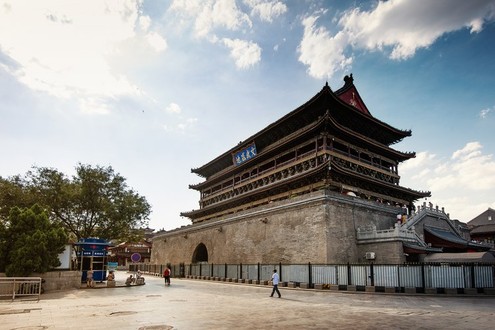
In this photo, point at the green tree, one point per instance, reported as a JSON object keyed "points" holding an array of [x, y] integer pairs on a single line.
{"points": [[14, 192], [30, 242], [3, 244], [96, 202]]}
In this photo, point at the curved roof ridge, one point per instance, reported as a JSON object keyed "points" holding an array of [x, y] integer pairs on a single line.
{"points": [[404, 155], [417, 194], [314, 107], [350, 95]]}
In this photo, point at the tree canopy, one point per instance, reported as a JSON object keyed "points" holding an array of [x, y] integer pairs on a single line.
{"points": [[95, 202], [30, 242]]}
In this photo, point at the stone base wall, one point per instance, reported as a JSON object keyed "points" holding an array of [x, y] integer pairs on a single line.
{"points": [[319, 227], [60, 280], [385, 253]]}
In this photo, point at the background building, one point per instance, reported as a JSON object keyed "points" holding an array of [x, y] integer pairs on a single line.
{"points": [[319, 185], [129, 252], [482, 228]]}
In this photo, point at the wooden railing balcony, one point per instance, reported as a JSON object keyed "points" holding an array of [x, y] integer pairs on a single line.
{"points": [[365, 169], [294, 166], [278, 173]]}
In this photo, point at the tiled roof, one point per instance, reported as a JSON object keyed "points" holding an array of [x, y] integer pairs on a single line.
{"points": [[453, 238], [483, 229], [460, 257], [483, 218]]}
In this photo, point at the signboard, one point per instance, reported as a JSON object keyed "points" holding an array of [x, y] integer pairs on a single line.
{"points": [[135, 257], [92, 253], [112, 265], [65, 257], [245, 154]]}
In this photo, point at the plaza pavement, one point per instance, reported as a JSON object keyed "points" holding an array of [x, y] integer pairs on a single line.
{"points": [[196, 304]]}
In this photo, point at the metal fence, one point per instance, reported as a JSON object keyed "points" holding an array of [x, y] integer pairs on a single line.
{"points": [[421, 276], [14, 287]]}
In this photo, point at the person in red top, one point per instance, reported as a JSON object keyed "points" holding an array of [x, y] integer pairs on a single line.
{"points": [[166, 275]]}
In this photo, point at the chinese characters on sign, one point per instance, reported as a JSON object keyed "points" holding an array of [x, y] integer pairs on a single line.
{"points": [[92, 253], [245, 154]]}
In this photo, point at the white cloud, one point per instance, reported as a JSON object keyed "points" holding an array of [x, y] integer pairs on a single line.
{"points": [[418, 165], [173, 108], [322, 53], [470, 150], [463, 184], [63, 48], [156, 41], [245, 53], [182, 126], [485, 112], [177, 122], [209, 15], [266, 10], [214, 17], [144, 22], [93, 105], [408, 25], [188, 123], [404, 26]]}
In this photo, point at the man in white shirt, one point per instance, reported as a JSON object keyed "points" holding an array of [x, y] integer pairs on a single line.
{"points": [[275, 280]]}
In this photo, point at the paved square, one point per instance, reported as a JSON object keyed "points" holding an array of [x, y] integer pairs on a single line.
{"points": [[195, 304]]}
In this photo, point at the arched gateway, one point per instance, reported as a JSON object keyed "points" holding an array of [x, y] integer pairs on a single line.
{"points": [[200, 254]]}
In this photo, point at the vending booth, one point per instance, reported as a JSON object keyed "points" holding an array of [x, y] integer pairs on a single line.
{"points": [[92, 255]]}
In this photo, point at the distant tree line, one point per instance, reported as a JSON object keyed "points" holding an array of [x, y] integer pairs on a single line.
{"points": [[44, 209]]}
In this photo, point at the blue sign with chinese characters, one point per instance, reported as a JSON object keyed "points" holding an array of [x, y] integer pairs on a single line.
{"points": [[245, 154], [92, 253]]}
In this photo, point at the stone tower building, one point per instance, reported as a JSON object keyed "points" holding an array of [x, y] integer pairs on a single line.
{"points": [[304, 189]]}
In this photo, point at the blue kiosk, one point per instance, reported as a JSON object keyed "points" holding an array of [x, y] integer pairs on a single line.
{"points": [[92, 254]]}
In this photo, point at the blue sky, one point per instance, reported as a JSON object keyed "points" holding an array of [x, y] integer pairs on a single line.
{"points": [[155, 88]]}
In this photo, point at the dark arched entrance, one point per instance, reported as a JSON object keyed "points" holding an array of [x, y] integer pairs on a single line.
{"points": [[200, 254]]}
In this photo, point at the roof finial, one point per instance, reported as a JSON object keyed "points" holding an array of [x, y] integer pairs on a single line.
{"points": [[348, 80]]}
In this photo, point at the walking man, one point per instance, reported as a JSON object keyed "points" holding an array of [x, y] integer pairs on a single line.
{"points": [[166, 275], [275, 280]]}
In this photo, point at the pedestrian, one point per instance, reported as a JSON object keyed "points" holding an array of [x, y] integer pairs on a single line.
{"points": [[129, 280], [275, 280], [90, 283], [111, 276], [166, 276]]}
